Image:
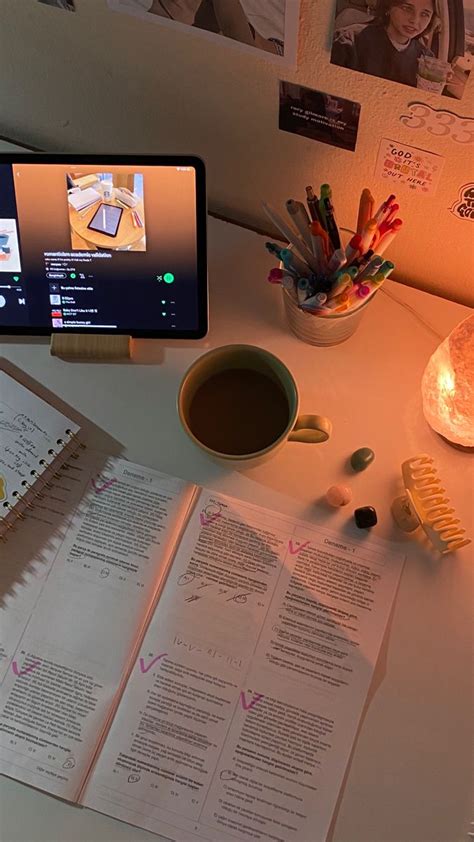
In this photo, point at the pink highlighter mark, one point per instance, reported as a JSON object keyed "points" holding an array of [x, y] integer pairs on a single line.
{"points": [[296, 548], [26, 670], [253, 701], [144, 668], [98, 489], [205, 520]]}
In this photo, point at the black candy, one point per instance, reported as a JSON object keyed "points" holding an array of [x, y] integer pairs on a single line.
{"points": [[365, 517]]}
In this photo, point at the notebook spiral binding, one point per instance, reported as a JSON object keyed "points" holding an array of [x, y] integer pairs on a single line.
{"points": [[25, 499]]}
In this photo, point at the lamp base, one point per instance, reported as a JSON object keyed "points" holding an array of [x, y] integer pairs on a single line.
{"points": [[457, 446]]}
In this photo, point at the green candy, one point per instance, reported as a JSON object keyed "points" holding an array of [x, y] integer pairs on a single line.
{"points": [[361, 459]]}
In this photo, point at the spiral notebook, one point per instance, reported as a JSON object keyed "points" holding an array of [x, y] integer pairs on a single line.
{"points": [[35, 439]]}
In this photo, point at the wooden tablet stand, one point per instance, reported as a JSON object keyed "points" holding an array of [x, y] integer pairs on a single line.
{"points": [[85, 346]]}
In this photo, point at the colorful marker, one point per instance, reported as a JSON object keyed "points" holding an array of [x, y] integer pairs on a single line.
{"points": [[318, 231], [353, 248], [366, 209]]}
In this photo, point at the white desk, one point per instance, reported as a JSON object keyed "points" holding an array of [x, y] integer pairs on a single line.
{"points": [[410, 776]]}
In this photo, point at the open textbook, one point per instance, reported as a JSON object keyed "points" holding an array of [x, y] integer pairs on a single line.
{"points": [[184, 661]]}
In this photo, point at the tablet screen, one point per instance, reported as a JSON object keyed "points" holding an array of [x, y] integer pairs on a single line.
{"points": [[106, 220], [103, 244]]}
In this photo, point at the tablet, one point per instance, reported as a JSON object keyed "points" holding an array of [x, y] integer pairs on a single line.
{"points": [[103, 244], [106, 220]]}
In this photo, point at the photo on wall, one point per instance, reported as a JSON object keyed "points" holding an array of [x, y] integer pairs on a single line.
{"points": [[269, 26], [426, 44], [65, 5]]}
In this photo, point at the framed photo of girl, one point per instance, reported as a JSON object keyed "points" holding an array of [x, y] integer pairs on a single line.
{"points": [[426, 44]]}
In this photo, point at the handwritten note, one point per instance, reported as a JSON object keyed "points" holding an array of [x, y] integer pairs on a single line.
{"points": [[32, 433]]}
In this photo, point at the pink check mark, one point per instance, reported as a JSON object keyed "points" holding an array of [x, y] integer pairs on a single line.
{"points": [[296, 548], [26, 670], [205, 520], [98, 489], [248, 705], [144, 668]]}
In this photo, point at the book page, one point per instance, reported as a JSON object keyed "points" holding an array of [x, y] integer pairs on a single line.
{"points": [[29, 429], [94, 553], [240, 712]]}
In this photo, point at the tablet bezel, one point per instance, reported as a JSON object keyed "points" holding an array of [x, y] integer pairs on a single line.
{"points": [[101, 230], [10, 158]]}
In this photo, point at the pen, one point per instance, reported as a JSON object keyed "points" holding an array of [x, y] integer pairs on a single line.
{"points": [[329, 216], [384, 209], [364, 262], [273, 249], [393, 210], [384, 271], [293, 263], [280, 276], [373, 267], [290, 235], [300, 219], [337, 260], [302, 289], [340, 303], [366, 209], [319, 253], [315, 301], [313, 205], [343, 281]]}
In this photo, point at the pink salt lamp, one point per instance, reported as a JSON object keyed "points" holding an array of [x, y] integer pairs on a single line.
{"points": [[447, 386]]}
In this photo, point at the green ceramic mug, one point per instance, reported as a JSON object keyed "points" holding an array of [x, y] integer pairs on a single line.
{"points": [[218, 370]]}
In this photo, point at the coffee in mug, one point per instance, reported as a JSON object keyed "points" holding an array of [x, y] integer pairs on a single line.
{"points": [[239, 403]]}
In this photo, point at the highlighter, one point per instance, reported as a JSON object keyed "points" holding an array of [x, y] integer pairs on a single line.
{"points": [[318, 231], [368, 235]]}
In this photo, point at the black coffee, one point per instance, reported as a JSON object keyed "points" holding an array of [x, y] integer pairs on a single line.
{"points": [[239, 411]]}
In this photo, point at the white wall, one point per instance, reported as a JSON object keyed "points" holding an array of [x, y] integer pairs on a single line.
{"points": [[102, 82]]}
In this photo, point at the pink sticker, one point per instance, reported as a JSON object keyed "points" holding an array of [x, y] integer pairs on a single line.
{"points": [[99, 488], [153, 661], [27, 669], [253, 701], [296, 548], [207, 519]]}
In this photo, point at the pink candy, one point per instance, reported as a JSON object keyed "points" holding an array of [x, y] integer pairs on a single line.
{"points": [[338, 495]]}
